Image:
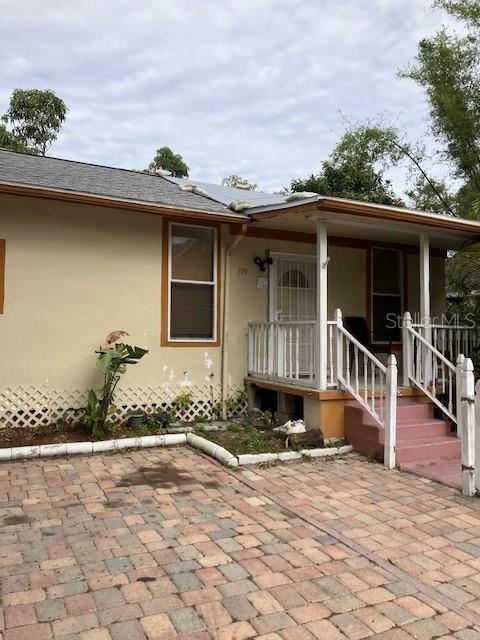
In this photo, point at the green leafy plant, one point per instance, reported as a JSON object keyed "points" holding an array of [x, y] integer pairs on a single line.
{"points": [[475, 356], [216, 410], [112, 362], [182, 402], [236, 402]]}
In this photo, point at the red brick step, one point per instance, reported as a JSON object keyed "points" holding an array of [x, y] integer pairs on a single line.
{"points": [[421, 437]]}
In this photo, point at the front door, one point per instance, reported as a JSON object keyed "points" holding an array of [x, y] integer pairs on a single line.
{"points": [[292, 301], [292, 288]]}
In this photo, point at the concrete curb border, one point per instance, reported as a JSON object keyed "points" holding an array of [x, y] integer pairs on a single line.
{"points": [[287, 456], [169, 439], [72, 448]]}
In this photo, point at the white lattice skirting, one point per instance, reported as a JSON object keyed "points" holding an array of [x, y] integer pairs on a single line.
{"points": [[31, 406]]}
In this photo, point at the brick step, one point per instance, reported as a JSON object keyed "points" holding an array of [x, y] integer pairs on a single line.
{"points": [[427, 449], [430, 429], [420, 436], [419, 411]]}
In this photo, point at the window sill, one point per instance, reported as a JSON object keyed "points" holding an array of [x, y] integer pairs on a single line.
{"points": [[190, 343]]}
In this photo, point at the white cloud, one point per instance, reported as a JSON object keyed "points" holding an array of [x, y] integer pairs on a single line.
{"points": [[252, 87]]}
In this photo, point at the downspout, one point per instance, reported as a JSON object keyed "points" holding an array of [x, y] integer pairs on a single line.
{"points": [[226, 316]]}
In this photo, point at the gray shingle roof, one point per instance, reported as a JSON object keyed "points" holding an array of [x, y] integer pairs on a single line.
{"points": [[79, 177], [226, 195]]}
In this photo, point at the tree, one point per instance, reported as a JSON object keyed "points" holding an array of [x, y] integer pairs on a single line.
{"points": [[447, 67], [166, 159], [356, 168], [36, 117], [9, 141], [239, 183], [467, 10], [432, 195]]}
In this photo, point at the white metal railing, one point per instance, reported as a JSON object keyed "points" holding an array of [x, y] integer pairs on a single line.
{"points": [[370, 382], [430, 370], [282, 351]]}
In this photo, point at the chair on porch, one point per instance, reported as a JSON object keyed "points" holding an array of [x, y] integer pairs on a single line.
{"points": [[357, 326]]}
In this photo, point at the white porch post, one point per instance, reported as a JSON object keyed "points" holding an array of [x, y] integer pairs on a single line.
{"points": [[407, 348], [425, 300], [322, 283], [390, 413], [468, 428], [477, 437]]}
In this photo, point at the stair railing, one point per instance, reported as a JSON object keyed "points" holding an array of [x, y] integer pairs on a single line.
{"points": [[370, 382], [431, 371]]}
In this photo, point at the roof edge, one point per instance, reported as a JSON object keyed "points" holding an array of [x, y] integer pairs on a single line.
{"points": [[368, 210], [374, 210], [78, 197]]}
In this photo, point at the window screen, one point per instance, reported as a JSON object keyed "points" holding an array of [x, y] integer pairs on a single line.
{"points": [[192, 282]]}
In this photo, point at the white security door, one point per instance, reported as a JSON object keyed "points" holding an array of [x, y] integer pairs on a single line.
{"points": [[292, 301], [292, 288]]}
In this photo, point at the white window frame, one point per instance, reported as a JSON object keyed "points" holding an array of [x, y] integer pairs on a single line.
{"points": [[400, 295], [213, 283]]}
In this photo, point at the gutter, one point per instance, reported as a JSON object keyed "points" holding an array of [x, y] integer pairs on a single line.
{"points": [[226, 316], [366, 210], [78, 197]]}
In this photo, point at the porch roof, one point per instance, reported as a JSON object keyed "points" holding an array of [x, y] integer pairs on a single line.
{"points": [[367, 221]]}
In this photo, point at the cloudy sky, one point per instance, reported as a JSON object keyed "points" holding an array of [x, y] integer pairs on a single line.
{"points": [[253, 87]]}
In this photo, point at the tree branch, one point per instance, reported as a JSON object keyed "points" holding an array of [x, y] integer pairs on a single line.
{"points": [[430, 182]]}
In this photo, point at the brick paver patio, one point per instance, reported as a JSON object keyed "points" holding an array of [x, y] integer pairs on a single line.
{"points": [[167, 544]]}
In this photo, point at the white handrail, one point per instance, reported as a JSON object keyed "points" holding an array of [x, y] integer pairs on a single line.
{"points": [[370, 382], [429, 369], [363, 349]]}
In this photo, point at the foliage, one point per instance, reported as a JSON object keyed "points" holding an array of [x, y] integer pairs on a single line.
{"points": [[475, 358], [236, 402], [433, 196], [166, 159], [447, 67], [239, 439], [36, 117], [463, 276], [182, 402], [466, 10], [9, 141], [112, 362], [239, 183], [356, 168]]}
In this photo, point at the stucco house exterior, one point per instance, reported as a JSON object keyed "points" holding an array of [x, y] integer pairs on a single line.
{"points": [[224, 287]]}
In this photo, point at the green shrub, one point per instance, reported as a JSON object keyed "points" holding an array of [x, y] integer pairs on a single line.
{"points": [[112, 361]]}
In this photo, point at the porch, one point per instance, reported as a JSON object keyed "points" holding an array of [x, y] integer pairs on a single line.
{"points": [[314, 303], [285, 352], [305, 348]]}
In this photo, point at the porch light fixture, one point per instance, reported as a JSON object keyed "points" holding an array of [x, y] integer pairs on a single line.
{"points": [[261, 263]]}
